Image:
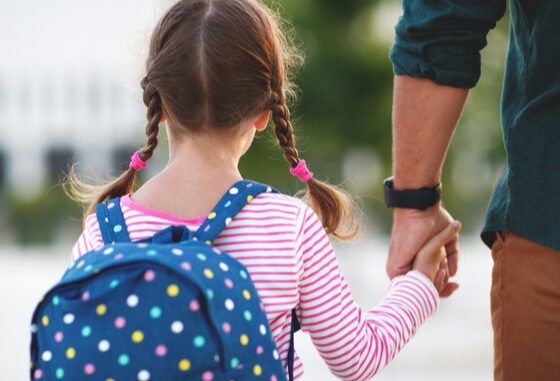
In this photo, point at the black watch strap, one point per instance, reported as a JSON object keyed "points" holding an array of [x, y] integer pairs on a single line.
{"points": [[421, 198]]}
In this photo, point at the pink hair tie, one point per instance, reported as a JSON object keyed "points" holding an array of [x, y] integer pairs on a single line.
{"points": [[301, 171], [136, 162]]}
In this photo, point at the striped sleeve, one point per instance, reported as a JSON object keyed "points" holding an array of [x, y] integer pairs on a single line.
{"points": [[89, 239], [355, 344]]}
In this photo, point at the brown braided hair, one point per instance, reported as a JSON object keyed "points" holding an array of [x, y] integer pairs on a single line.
{"points": [[215, 64]]}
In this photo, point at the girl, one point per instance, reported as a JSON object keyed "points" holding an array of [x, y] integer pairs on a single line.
{"points": [[217, 71]]}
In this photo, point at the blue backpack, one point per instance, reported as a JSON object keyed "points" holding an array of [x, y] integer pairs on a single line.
{"points": [[172, 307]]}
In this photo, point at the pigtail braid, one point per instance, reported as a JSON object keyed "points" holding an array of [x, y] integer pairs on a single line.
{"points": [[91, 195], [334, 207]]}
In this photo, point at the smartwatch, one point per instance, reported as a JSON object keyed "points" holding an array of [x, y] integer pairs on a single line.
{"points": [[421, 198]]}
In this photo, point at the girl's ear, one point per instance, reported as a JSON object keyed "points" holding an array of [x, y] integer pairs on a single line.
{"points": [[262, 121]]}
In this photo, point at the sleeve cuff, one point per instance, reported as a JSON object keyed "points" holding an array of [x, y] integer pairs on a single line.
{"points": [[422, 292]]}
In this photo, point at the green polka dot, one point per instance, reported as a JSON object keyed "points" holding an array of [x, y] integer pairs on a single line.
{"points": [[155, 312], [234, 362], [227, 204], [247, 315], [114, 283], [199, 341], [201, 256], [86, 331], [56, 300], [124, 360], [151, 252], [117, 228], [210, 294], [243, 274], [59, 373], [88, 268]]}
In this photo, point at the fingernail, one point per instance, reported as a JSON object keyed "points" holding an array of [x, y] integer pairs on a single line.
{"points": [[456, 225]]}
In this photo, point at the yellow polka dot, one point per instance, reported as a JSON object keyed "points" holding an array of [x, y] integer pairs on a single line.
{"points": [[142, 245], [208, 242], [101, 310], [173, 290], [208, 273], [184, 365], [249, 198], [70, 353], [81, 264], [244, 339], [45, 320], [246, 294], [31, 365], [212, 215], [110, 379], [137, 336], [257, 370]]}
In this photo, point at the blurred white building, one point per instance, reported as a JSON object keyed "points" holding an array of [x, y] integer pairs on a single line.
{"points": [[69, 86]]}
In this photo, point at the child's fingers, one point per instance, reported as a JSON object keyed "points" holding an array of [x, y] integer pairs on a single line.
{"points": [[440, 239]]}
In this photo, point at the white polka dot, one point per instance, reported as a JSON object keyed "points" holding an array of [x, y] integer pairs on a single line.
{"points": [[234, 190], [103, 346], [34, 328], [143, 375], [177, 327], [275, 354], [262, 328], [46, 356], [108, 251], [132, 300], [269, 189], [177, 251], [224, 266], [228, 221], [68, 318], [229, 304], [217, 358]]}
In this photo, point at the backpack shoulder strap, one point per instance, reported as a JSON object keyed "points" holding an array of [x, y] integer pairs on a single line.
{"points": [[237, 196], [111, 222]]}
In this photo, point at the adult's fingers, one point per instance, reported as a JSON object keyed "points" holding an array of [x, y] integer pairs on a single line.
{"points": [[441, 239], [449, 289]]}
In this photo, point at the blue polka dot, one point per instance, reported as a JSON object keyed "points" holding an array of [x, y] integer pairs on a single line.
{"points": [[59, 373], [234, 362], [210, 294], [88, 268], [247, 315], [201, 256], [227, 204], [114, 283], [117, 228], [151, 252], [243, 274], [56, 300], [124, 360], [155, 312], [86, 331], [199, 341]]}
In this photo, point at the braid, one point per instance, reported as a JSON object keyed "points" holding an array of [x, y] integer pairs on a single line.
{"points": [[332, 205], [152, 100]]}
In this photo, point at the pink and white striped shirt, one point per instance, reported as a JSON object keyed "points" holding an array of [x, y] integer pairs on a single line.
{"points": [[291, 261]]}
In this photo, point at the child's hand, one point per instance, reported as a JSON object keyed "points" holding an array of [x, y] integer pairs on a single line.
{"points": [[432, 255]]}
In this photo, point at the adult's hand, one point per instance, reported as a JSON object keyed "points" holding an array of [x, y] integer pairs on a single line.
{"points": [[411, 230]]}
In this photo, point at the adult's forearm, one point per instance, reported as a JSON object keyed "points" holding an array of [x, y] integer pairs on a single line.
{"points": [[424, 117]]}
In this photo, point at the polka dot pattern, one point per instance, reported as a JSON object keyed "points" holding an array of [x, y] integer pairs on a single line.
{"points": [[125, 321]]}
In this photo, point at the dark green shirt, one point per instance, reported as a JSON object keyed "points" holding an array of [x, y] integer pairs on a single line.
{"points": [[441, 40]]}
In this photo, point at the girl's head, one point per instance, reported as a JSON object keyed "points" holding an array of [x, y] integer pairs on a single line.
{"points": [[213, 65]]}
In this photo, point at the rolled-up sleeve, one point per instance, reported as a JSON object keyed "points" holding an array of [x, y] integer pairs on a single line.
{"points": [[441, 40]]}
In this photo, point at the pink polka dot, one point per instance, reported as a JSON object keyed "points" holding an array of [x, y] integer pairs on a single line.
{"points": [[217, 251], [149, 275], [119, 256], [226, 327], [111, 205], [38, 374], [85, 296], [120, 322], [273, 378], [89, 369], [161, 350], [194, 306], [207, 376], [260, 350], [58, 337], [228, 282], [186, 266]]}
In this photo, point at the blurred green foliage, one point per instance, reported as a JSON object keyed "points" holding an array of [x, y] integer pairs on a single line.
{"points": [[345, 105]]}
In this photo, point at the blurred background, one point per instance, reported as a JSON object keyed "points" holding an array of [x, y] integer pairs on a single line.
{"points": [[69, 93]]}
